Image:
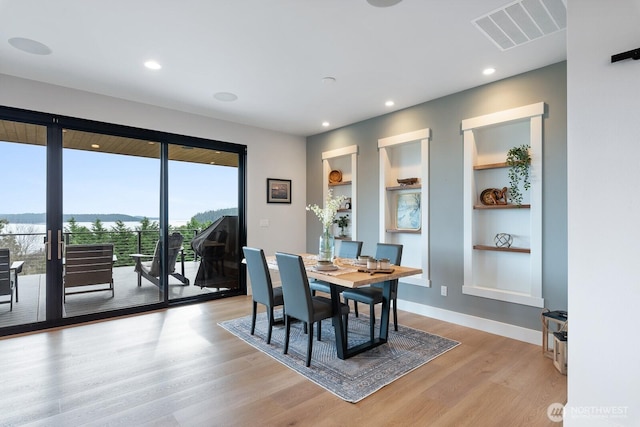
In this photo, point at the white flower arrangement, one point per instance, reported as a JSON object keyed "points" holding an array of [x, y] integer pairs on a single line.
{"points": [[327, 214]]}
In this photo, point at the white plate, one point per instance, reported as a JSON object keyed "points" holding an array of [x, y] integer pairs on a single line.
{"points": [[325, 267]]}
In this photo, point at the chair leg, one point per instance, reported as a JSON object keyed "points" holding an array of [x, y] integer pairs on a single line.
{"points": [[346, 324], [355, 307], [395, 316], [319, 330], [310, 342], [287, 328], [270, 318], [253, 317], [372, 323]]}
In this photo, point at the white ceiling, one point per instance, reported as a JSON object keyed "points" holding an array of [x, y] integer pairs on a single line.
{"points": [[273, 54]]}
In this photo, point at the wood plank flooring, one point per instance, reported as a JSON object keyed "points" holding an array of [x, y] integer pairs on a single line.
{"points": [[177, 367]]}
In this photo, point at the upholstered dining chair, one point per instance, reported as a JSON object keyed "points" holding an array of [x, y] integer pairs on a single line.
{"points": [[372, 295], [262, 289], [298, 302], [348, 249]]}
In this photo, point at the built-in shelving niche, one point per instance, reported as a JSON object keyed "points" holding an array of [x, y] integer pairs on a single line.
{"points": [[511, 274], [406, 156]]}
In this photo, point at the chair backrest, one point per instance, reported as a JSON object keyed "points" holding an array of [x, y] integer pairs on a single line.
{"points": [[175, 244], [88, 264], [391, 251], [261, 286], [5, 272], [295, 287], [350, 249]]}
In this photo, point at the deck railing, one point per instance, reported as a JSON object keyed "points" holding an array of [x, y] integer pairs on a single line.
{"points": [[29, 247]]}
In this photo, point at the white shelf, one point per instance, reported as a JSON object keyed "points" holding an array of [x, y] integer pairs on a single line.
{"points": [[346, 161], [406, 156], [514, 274]]}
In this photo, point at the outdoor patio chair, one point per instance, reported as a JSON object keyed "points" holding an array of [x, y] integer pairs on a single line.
{"points": [[6, 287], [88, 265], [151, 270]]}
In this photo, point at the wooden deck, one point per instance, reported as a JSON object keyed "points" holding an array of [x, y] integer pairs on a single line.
{"points": [[31, 306]]}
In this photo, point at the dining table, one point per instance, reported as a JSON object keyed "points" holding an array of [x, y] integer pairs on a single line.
{"points": [[349, 274]]}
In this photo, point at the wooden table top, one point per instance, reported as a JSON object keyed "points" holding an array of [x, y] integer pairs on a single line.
{"points": [[347, 274]]}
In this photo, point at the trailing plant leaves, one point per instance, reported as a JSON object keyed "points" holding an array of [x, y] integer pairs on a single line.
{"points": [[519, 160]]}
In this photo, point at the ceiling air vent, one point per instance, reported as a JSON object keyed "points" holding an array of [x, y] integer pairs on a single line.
{"points": [[523, 21]]}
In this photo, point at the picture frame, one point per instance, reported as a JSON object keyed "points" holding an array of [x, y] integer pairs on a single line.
{"points": [[278, 190], [409, 211]]}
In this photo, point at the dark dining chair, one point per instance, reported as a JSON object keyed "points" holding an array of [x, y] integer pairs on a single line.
{"points": [[262, 289], [298, 302], [348, 249], [372, 295]]}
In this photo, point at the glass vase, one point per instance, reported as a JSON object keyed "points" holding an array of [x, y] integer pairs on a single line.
{"points": [[326, 247]]}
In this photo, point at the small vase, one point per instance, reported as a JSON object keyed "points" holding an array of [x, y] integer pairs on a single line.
{"points": [[326, 247]]}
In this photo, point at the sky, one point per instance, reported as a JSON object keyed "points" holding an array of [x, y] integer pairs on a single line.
{"points": [[96, 182]]}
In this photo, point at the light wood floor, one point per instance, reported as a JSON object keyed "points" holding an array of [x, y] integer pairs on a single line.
{"points": [[179, 368]]}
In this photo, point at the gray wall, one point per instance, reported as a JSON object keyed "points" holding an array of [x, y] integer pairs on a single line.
{"points": [[443, 116]]}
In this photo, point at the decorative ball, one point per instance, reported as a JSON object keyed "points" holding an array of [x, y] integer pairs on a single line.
{"points": [[503, 240]]}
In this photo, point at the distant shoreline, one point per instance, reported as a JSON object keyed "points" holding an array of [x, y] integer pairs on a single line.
{"points": [[41, 218]]}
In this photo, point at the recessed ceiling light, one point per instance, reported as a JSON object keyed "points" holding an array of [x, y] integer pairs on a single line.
{"points": [[383, 3], [152, 65], [325, 124], [328, 80], [488, 71], [225, 96], [389, 103], [29, 46], [95, 146]]}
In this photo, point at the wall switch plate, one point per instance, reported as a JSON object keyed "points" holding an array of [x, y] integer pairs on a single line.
{"points": [[264, 223], [443, 291]]}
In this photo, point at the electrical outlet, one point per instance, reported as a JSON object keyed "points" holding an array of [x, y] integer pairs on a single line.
{"points": [[443, 291]]}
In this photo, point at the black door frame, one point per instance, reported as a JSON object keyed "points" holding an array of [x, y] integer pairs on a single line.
{"points": [[54, 291]]}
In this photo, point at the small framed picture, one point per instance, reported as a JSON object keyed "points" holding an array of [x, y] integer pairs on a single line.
{"points": [[278, 190]]}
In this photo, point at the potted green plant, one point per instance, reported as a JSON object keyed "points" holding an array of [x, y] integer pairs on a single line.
{"points": [[342, 222], [519, 161]]}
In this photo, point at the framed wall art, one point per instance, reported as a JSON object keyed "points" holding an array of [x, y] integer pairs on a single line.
{"points": [[278, 190], [409, 212]]}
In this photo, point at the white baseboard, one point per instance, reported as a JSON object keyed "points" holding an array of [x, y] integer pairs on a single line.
{"points": [[504, 329]]}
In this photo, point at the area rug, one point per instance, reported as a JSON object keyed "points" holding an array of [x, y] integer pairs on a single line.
{"points": [[352, 379]]}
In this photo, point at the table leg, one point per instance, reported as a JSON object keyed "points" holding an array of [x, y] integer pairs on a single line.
{"points": [[386, 308], [338, 325]]}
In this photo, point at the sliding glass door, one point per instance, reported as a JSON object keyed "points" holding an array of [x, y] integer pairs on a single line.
{"points": [[203, 211], [23, 154], [104, 220], [111, 208]]}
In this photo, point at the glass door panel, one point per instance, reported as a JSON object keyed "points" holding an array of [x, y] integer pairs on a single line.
{"points": [[23, 222], [203, 209], [111, 200]]}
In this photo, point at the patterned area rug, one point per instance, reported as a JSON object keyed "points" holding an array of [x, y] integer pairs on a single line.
{"points": [[352, 379]]}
